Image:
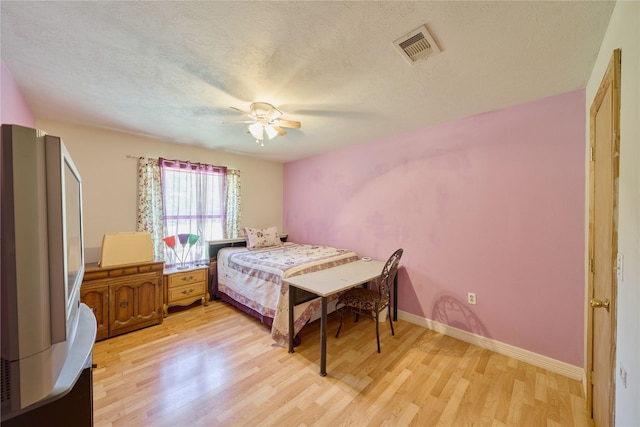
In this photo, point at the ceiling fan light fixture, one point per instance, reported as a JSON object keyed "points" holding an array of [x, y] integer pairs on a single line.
{"points": [[266, 119], [271, 132], [256, 130]]}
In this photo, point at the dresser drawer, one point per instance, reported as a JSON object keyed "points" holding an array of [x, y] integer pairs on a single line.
{"points": [[192, 291], [187, 278]]}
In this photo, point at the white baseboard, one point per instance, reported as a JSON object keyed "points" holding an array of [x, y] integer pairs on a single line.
{"points": [[553, 365]]}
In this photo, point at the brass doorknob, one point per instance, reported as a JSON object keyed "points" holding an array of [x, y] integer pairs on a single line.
{"points": [[596, 303]]}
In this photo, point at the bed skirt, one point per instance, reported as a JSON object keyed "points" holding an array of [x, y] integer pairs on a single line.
{"points": [[266, 320]]}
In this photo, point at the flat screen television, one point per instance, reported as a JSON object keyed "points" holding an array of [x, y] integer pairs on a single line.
{"points": [[46, 332]]}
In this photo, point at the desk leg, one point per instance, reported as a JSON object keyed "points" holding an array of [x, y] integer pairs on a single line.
{"points": [[292, 299], [323, 339]]}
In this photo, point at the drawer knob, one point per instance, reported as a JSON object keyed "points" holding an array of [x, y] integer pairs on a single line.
{"points": [[124, 303], [185, 292]]}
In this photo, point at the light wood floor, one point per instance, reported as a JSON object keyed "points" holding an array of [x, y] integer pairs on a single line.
{"points": [[215, 366]]}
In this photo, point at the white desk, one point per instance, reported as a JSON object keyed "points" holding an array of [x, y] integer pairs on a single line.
{"points": [[328, 282]]}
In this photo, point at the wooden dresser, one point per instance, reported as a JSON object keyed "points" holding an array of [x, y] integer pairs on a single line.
{"points": [[184, 287], [124, 297]]}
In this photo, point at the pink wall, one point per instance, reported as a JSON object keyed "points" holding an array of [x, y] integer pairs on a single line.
{"points": [[13, 107], [491, 204]]}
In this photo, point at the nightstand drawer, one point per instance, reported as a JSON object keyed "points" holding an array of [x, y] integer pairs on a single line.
{"points": [[187, 278], [186, 292]]}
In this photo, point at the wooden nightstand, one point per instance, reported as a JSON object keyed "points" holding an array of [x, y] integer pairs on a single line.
{"points": [[183, 287]]}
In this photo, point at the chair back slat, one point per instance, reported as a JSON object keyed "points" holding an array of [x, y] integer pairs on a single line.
{"points": [[389, 272]]}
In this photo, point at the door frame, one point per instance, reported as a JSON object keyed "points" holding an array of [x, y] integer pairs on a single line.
{"points": [[610, 77]]}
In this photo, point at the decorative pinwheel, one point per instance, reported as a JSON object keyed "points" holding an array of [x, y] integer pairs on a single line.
{"points": [[187, 241]]}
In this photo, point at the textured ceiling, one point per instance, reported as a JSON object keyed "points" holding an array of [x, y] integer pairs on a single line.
{"points": [[171, 70]]}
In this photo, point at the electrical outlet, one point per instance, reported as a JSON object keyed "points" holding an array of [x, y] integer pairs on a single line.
{"points": [[471, 298]]}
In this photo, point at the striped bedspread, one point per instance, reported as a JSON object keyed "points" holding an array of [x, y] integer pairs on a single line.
{"points": [[254, 279]]}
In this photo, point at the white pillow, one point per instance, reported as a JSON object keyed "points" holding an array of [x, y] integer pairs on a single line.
{"points": [[262, 237]]}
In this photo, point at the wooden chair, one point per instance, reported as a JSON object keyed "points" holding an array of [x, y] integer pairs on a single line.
{"points": [[370, 301]]}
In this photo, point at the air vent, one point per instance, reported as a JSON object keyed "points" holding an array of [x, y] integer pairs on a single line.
{"points": [[416, 45]]}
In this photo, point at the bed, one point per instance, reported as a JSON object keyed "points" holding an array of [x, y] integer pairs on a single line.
{"points": [[251, 279]]}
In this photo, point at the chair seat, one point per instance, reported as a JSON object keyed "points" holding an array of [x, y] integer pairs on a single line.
{"points": [[363, 299]]}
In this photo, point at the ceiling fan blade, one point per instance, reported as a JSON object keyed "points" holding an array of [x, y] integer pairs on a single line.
{"points": [[239, 121], [281, 132], [241, 111], [288, 123]]}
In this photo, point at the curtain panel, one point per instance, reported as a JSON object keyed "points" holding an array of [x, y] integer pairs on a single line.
{"points": [[232, 216], [149, 212], [193, 202]]}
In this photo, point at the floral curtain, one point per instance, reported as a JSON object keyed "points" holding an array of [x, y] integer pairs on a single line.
{"points": [[232, 216], [150, 203]]}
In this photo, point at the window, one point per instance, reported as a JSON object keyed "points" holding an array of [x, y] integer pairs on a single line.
{"points": [[193, 202], [176, 197]]}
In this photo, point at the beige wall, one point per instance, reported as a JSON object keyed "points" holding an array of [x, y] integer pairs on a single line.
{"points": [[109, 178], [624, 33]]}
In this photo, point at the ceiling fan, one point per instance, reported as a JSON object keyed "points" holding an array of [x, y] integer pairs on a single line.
{"points": [[265, 118]]}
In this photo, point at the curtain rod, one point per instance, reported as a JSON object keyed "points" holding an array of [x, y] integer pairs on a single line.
{"points": [[181, 162]]}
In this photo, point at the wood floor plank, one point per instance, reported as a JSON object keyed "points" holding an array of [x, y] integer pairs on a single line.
{"points": [[215, 366]]}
